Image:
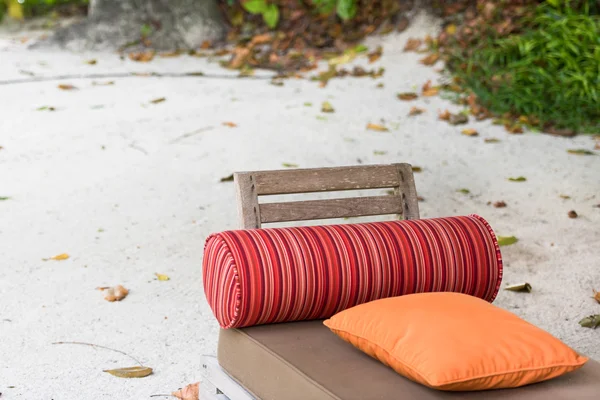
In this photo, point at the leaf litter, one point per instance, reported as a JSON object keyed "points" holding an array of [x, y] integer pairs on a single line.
{"points": [[114, 293]]}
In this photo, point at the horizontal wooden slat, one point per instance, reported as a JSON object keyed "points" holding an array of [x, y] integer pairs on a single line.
{"points": [[331, 208], [326, 179]]}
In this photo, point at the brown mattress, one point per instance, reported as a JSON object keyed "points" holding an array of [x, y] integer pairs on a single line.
{"points": [[305, 361]]}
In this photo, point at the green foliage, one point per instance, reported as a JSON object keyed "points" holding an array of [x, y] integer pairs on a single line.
{"points": [[551, 70], [40, 7], [345, 9], [270, 12]]}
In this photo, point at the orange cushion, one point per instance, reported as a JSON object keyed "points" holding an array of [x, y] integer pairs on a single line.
{"points": [[453, 341]]}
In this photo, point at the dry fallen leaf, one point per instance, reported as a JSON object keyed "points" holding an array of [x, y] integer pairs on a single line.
{"points": [[581, 152], [464, 191], [420, 198], [499, 204], [190, 392], [518, 179], [116, 293], [130, 372], [565, 196], [59, 257], [451, 29], [326, 107], [407, 96], [142, 56], [159, 100], [430, 59], [107, 83], [377, 127], [416, 111], [458, 119], [289, 165], [413, 44], [416, 168], [66, 86], [491, 140], [161, 277], [507, 240], [379, 152], [444, 115], [91, 62], [228, 178], [516, 129], [523, 287], [428, 90], [593, 321], [469, 132], [230, 124], [375, 55], [597, 296], [572, 214]]}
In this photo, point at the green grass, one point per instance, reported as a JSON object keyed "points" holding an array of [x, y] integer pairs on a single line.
{"points": [[551, 70]]}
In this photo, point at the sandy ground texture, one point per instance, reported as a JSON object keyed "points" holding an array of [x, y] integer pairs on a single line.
{"points": [[129, 188]]}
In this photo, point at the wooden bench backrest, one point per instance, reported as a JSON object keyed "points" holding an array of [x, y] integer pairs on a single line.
{"points": [[251, 185]]}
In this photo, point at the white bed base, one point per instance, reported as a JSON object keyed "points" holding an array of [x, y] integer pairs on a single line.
{"points": [[216, 384]]}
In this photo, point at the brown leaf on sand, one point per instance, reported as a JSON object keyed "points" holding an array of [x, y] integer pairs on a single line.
{"points": [[159, 100], [522, 287], [377, 127], [499, 204], [142, 56], [115, 293], [230, 124], [407, 96], [190, 392], [572, 214], [416, 111], [261, 39], [66, 86], [597, 296], [413, 44], [375, 55], [429, 90], [444, 115], [469, 132], [430, 59]]}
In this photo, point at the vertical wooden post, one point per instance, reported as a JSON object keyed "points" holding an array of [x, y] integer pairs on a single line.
{"points": [[407, 190], [247, 200]]}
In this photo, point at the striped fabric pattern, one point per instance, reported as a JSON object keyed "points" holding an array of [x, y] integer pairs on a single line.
{"points": [[261, 276]]}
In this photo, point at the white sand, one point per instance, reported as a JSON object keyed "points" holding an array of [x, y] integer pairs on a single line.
{"points": [[120, 190]]}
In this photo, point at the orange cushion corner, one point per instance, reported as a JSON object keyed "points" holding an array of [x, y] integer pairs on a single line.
{"points": [[455, 342]]}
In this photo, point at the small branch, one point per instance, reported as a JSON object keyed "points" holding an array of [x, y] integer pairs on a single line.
{"points": [[189, 134], [131, 75], [102, 347]]}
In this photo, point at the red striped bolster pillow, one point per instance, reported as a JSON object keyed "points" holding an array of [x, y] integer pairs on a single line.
{"points": [[261, 276]]}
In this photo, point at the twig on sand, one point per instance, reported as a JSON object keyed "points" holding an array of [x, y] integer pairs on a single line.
{"points": [[187, 135], [102, 347], [130, 75]]}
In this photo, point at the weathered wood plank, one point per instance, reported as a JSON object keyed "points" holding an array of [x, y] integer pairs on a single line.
{"points": [[331, 208], [247, 200], [408, 191], [326, 179]]}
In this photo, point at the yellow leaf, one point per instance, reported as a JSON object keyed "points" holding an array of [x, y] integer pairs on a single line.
{"points": [[59, 257], [451, 29], [66, 86], [327, 107], [377, 127], [522, 287], [597, 296], [469, 132], [230, 124], [130, 372], [433, 91], [162, 277], [190, 392]]}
